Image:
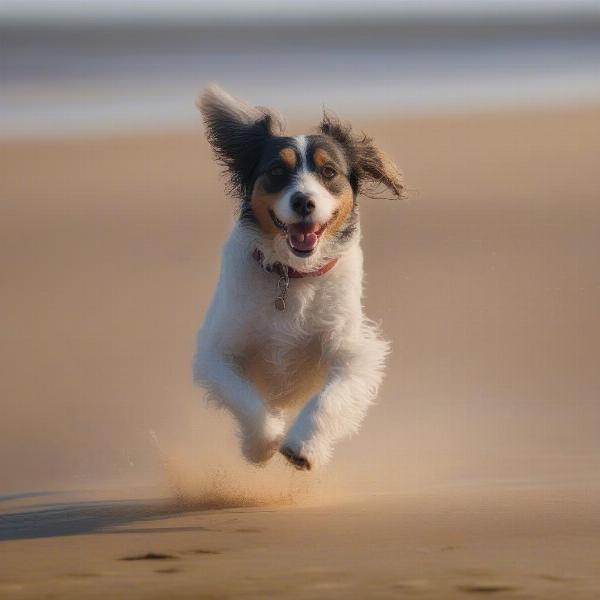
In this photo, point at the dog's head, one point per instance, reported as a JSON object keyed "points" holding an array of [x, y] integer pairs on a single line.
{"points": [[299, 193]]}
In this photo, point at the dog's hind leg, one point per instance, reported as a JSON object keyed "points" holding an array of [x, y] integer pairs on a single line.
{"points": [[261, 429], [340, 407]]}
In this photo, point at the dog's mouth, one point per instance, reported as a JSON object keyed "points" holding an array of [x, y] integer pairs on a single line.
{"points": [[302, 238]]}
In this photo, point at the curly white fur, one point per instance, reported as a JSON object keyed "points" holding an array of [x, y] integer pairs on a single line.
{"points": [[255, 360]]}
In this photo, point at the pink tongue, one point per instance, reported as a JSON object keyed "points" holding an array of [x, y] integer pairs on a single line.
{"points": [[303, 237]]}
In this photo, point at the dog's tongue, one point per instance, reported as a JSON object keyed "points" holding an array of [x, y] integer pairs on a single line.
{"points": [[303, 237]]}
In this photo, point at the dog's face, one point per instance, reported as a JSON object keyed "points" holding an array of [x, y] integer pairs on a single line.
{"points": [[299, 192]]}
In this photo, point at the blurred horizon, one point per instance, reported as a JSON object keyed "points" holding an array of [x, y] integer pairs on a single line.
{"points": [[140, 11], [96, 68]]}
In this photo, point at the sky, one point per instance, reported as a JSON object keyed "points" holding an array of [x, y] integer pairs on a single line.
{"points": [[58, 10]]}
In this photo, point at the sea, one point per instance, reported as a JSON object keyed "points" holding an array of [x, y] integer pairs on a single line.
{"points": [[82, 78]]}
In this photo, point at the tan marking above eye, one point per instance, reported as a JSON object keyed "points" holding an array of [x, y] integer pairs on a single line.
{"points": [[321, 157], [288, 156]]}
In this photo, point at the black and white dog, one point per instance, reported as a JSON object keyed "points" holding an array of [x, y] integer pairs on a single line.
{"points": [[286, 323]]}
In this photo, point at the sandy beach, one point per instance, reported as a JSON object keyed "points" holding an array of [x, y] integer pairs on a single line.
{"points": [[480, 542], [477, 473]]}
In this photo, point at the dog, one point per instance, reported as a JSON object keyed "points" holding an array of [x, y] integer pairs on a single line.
{"points": [[286, 326]]}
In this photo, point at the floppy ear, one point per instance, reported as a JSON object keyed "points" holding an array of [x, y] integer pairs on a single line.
{"points": [[237, 133], [370, 167]]}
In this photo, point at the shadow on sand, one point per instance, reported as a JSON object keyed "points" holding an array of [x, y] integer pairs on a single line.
{"points": [[78, 518]]}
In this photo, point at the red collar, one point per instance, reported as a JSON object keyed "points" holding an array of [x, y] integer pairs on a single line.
{"points": [[292, 273]]}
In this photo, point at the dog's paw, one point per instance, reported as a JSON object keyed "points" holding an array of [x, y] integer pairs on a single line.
{"points": [[259, 445], [300, 462], [306, 455], [259, 451]]}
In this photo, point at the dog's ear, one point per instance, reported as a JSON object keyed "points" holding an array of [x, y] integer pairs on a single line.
{"points": [[370, 167], [237, 133]]}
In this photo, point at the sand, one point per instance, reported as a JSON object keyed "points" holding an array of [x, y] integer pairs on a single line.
{"points": [[476, 473], [448, 544]]}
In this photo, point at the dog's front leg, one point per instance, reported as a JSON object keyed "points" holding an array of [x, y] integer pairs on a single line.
{"points": [[339, 409], [261, 430]]}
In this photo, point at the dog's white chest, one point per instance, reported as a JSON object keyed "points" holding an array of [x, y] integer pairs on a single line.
{"points": [[285, 374]]}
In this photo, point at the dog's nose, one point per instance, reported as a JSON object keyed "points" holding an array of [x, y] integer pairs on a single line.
{"points": [[302, 204]]}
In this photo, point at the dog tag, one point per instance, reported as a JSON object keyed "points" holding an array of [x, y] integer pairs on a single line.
{"points": [[280, 303], [282, 286]]}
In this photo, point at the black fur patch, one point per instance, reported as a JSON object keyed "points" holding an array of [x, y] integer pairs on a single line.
{"points": [[338, 161], [369, 167], [246, 214], [270, 159], [238, 143]]}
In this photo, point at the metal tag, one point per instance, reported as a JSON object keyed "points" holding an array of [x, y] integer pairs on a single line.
{"points": [[282, 287]]}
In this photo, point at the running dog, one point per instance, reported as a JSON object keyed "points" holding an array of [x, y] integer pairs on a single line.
{"points": [[286, 326]]}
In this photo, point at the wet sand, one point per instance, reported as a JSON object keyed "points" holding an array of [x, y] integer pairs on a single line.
{"points": [[476, 473]]}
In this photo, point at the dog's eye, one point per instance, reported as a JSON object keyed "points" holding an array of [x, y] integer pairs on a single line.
{"points": [[276, 171], [328, 172]]}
